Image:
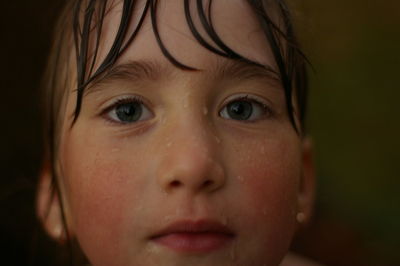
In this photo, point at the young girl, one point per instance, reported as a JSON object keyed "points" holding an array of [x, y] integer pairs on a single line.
{"points": [[175, 133]]}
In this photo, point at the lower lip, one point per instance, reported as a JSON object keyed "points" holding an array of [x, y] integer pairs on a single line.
{"points": [[194, 242]]}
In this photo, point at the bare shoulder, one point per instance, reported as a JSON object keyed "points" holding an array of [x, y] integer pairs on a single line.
{"points": [[293, 259]]}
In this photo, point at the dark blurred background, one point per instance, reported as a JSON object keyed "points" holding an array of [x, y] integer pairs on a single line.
{"points": [[353, 118]]}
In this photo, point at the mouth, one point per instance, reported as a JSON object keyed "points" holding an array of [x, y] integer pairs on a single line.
{"points": [[188, 236]]}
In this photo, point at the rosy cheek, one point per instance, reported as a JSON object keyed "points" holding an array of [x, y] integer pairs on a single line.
{"points": [[101, 189], [269, 177]]}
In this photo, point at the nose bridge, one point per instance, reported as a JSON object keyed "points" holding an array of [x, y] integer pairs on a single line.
{"points": [[191, 160]]}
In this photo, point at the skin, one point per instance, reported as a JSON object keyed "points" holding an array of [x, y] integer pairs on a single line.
{"points": [[122, 183]]}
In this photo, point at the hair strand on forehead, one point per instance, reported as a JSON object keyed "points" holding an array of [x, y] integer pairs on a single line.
{"points": [[287, 55], [164, 50]]}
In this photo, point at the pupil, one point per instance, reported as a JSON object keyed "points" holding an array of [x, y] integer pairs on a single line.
{"points": [[129, 112], [240, 110]]}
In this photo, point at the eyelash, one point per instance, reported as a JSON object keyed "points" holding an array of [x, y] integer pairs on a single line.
{"points": [[252, 99], [267, 111], [120, 101]]}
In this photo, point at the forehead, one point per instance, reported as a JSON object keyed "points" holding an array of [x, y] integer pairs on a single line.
{"points": [[233, 20]]}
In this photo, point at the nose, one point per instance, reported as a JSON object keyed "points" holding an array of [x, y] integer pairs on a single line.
{"points": [[191, 162]]}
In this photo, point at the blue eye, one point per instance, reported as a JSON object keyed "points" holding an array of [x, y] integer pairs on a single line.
{"points": [[128, 110], [244, 109]]}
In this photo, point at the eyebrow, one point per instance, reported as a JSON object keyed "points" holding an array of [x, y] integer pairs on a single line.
{"points": [[133, 71], [243, 70], [139, 71]]}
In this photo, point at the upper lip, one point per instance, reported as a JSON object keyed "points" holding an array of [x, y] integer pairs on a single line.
{"points": [[191, 226]]}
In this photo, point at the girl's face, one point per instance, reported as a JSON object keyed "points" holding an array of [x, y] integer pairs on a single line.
{"points": [[173, 167]]}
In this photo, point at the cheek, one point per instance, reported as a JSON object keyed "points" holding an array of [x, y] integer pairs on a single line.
{"points": [[269, 169], [101, 189], [272, 180], [266, 189]]}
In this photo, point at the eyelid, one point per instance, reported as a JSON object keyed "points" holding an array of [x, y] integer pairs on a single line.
{"points": [[122, 100], [249, 97], [262, 102]]}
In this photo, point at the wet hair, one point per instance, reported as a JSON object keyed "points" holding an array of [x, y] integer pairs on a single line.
{"points": [[80, 28], [288, 57]]}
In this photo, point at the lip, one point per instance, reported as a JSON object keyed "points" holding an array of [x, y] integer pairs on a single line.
{"points": [[189, 236]]}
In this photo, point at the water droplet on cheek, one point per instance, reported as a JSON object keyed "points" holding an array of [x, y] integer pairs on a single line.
{"points": [[205, 110], [186, 100], [168, 218], [233, 252], [151, 250], [240, 178], [115, 150], [169, 144]]}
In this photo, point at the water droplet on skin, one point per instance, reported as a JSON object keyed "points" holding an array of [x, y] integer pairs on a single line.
{"points": [[151, 249], [217, 139], [168, 218], [169, 144], [233, 252], [115, 150], [205, 110], [186, 100], [262, 149], [240, 178]]}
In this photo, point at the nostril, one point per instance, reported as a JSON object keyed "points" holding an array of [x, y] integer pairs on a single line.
{"points": [[207, 183], [175, 183]]}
